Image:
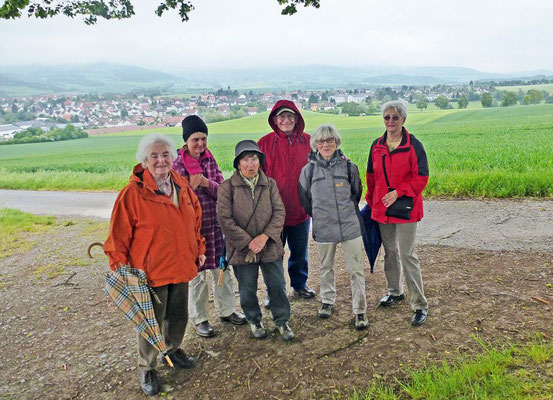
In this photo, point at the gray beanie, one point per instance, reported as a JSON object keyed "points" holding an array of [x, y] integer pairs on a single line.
{"points": [[247, 146]]}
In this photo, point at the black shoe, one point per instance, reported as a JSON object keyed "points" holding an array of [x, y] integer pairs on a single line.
{"points": [[204, 329], [419, 317], [390, 300], [305, 293], [149, 382], [235, 318], [180, 360]]}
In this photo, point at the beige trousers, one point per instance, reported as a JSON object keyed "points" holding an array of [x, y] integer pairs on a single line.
{"points": [[401, 261], [198, 295], [353, 250]]}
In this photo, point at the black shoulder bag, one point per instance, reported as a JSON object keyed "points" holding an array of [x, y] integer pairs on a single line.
{"points": [[403, 205]]}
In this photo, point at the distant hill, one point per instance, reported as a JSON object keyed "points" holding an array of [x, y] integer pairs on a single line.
{"points": [[115, 78]]}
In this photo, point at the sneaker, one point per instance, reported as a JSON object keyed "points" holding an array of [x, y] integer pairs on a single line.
{"points": [[361, 321], [389, 300], [258, 330], [286, 332], [267, 302], [305, 293], [326, 310], [419, 317]]}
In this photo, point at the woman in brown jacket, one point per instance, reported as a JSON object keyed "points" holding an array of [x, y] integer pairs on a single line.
{"points": [[251, 216]]}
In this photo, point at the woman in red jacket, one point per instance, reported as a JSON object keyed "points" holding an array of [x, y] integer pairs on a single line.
{"points": [[398, 167], [155, 227]]}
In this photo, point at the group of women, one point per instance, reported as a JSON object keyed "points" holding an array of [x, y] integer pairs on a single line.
{"points": [[177, 219]]}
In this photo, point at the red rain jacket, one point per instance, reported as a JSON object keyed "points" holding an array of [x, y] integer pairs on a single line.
{"points": [[285, 156], [407, 170]]}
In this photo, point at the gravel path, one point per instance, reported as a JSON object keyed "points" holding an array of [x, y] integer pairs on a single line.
{"points": [[475, 224]]}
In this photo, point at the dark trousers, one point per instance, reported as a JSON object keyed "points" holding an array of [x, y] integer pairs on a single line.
{"points": [[172, 317], [273, 276], [297, 237]]}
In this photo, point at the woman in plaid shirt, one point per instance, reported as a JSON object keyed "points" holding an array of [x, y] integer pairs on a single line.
{"points": [[195, 162]]}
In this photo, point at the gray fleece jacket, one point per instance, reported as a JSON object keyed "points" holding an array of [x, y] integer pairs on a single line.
{"points": [[331, 196]]}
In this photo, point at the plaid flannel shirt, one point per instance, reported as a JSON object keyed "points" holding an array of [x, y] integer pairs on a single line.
{"points": [[210, 229]]}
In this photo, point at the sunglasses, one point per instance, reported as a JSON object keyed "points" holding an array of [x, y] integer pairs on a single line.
{"points": [[330, 140], [394, 118]]}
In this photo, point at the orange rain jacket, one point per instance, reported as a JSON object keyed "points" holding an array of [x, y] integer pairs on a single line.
{"points": [[149, 232]]}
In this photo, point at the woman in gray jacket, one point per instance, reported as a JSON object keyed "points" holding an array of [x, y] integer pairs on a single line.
{"points": [[251, 215], [330, 190]]}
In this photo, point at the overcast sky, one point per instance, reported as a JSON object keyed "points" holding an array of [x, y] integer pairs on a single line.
{"points": [[488, 35]]}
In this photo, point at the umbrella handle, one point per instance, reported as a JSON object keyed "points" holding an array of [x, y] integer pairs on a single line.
{"points": [[168, 359], [220, 280]]}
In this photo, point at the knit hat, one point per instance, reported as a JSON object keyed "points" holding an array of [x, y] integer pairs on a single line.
{"points": [[247, 146], [191, 125]]}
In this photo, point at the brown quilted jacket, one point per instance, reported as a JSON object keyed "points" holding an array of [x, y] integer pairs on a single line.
{"points": [[235, 206]]}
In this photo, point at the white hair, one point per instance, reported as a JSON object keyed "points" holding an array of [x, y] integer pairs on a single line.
{"points": [[146, 143], [325, 131], [399, 105]]}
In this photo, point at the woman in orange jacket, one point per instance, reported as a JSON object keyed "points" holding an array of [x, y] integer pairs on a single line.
{"points": [[155, 226]]}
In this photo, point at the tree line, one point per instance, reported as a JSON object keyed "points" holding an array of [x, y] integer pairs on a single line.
{"points": [[36, 135]]}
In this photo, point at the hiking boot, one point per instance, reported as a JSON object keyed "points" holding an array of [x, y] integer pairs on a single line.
{"points": [[419, 317], [286, 332], [258, 330], [179, 359], [361, 321], [326, 310], [149, 382]]}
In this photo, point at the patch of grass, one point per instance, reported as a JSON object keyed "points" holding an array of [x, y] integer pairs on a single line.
{"points": [[500, 372], [55, 269], [14, 225], [48, 271]]}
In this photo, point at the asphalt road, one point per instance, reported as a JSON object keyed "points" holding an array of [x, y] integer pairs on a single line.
{"points": [[478, 224]]}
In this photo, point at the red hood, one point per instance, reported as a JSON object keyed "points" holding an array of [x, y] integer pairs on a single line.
{"points": [[300, 123]]}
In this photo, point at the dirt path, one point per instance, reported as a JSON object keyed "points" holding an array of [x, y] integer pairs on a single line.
{"points": [[61, 339]]}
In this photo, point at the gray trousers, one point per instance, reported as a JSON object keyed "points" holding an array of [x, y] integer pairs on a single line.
{"points": [[273, 276], [400, 260], [353, 250], [198, 295], [172, 317]]}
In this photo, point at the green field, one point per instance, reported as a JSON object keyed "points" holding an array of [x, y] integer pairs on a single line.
{"points": [[496, 152], [548, 87]]}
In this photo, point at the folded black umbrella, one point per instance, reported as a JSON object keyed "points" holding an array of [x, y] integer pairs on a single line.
{"points": [[371, 235]]}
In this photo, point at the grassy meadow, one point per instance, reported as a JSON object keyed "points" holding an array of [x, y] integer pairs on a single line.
{"points": [[548, 87], [495, 152], [500, 372]]}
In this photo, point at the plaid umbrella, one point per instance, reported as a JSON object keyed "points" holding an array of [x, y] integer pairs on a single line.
{"points": [[129, 290]]}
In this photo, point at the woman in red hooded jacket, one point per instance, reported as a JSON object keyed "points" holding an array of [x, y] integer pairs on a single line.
{"points": [[398, 167]]}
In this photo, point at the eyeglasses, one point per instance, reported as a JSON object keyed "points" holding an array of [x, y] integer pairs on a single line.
{"points": [[394, 118], [284, 116], [329, 140]]}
